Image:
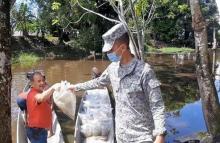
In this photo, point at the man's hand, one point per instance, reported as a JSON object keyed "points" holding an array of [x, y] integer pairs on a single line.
{"points": [[160, 139], [46, 94]]}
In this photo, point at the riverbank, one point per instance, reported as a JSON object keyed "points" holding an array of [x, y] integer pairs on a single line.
{"points": [[169, 50], [43, 48], [28, 50]]}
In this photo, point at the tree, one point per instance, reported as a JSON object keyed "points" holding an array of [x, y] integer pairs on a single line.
{"points": [[135, 15], [22, 19], [210, 104], [45, 16], [5, 73], [75, 20], [172, 23]]}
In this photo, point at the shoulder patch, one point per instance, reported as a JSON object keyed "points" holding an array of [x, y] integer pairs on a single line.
{"points": [[153, 83]]}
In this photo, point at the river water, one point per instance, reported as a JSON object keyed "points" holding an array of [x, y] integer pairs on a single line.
{"points": [[176, 73]]}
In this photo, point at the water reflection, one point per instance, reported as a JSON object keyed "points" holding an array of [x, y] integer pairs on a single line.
{"points": [[185, 122]]}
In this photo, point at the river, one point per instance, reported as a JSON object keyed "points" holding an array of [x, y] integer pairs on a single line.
{"points": [[176, 73]]}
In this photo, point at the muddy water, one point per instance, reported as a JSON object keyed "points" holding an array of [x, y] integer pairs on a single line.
{"points": [[176, 73], [55, 71]]}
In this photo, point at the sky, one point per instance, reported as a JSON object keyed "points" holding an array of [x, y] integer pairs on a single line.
{"points": [[33, 6]]}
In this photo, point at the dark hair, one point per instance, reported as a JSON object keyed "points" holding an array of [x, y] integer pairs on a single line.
{"points": [[124, 38], [30, 75]]}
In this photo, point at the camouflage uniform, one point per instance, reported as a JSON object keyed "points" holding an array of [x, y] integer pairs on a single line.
{"points": [[139, 108]]}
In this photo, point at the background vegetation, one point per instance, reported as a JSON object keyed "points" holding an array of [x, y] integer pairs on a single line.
{"points": [[66, 24]]}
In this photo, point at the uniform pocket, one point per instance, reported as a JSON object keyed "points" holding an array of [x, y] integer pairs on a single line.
{"points": [[135, 94]]}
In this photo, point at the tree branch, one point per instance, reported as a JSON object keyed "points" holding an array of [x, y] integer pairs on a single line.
{"points": [[122, 20], [150, 15], [75, 22], [102, 4], [90, 11], [127, 9], [140, 45]]}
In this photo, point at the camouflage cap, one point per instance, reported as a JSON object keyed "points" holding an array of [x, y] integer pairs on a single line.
{"points": [[111, 35]]}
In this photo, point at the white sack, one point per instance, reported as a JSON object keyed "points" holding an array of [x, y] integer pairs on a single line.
{"points": [[65, 100]]}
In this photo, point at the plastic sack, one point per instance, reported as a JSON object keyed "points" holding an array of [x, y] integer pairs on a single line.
{"points": [[91, 128], [86, 130], [98, 139], [65, 100], [95, 114]]}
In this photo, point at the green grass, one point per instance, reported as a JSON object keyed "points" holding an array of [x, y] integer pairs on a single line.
{"points": [[52, 38], [26, 59], [170, 50]]}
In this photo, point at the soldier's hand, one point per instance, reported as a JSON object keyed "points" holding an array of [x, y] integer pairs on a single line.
{"points": [[160, 139], [72, 88]]}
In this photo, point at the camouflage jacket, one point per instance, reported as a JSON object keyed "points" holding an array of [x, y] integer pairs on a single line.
{"points": [[139, 107]]}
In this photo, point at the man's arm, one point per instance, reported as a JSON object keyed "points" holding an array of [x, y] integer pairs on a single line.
{"points": [[101, 81], [40, 97], [152, 90]]}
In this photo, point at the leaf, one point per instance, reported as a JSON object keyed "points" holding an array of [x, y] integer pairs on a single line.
{"points": [[55, 21], [183, 8], [164, 1], [141, 7], [56, 6], [171, 15]]}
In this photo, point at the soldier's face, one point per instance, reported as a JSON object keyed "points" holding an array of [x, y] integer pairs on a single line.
{"points": [[117, 48]]}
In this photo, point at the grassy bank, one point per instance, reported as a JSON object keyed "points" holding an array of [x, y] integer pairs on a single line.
{"points": [[26, 59], [49, 48], [169, 50]]}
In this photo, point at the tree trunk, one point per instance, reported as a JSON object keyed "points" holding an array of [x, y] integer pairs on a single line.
{"points": [[5, 73], [210, 104]]}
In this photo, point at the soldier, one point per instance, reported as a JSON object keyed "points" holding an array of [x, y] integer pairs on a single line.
{"points": [[139, 107]]}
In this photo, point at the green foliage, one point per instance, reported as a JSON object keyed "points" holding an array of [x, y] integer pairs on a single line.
{"points": [[90, 39], [45, 16], [141, 7], [164, 1], [50, 38], [171, 23], [26, 59], [169, 50], [22, 18], [69, 17], [183, 8], [56, 6], [55, 21]]}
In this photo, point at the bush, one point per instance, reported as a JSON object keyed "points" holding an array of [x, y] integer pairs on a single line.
{"points": [[26, 59]]}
